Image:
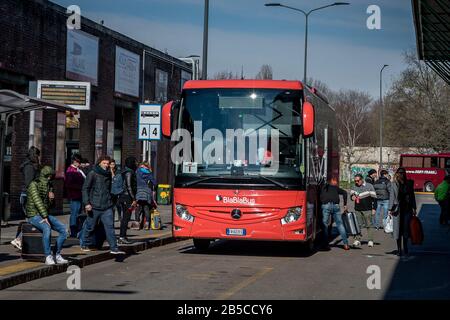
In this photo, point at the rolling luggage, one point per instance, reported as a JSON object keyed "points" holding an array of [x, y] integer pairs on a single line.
{"points": [[32, 247], [351, 223], [156, 220], [99, 236]]}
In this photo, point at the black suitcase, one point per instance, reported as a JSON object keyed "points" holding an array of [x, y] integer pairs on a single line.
{"points": [[99, 236], [351, 223], [32, 247]]}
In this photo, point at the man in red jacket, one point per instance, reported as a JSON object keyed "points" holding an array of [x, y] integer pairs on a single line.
{"points": [[73, 183]]}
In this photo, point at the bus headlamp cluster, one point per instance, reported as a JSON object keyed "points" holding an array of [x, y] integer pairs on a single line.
{"points": [[293, 214], [183, 213]]}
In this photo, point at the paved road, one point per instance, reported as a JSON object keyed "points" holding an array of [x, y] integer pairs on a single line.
{"points": [[257, 270]]}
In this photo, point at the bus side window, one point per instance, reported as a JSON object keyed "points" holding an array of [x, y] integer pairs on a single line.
{"points": [[427, 162], [434, 162], [447, 163]]}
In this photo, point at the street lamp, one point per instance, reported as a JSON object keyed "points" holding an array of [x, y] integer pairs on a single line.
{"points": [[306, 25], [205, 42], [381, 115]]}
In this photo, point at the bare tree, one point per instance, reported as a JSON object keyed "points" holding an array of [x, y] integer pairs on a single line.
{"points": [[265, 73], [225, 75], [352, 113], [417, 108]]}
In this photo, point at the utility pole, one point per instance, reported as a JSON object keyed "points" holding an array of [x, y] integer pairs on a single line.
{"points": [[205, 42]]}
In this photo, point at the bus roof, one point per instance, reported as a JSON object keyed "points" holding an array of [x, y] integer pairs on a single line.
{"points": [[246, 84], [445, 155]]}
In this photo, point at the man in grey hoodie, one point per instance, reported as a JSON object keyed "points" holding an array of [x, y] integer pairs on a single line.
{"points": [[365, 198]]}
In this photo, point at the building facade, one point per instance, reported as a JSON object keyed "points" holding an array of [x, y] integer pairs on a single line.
{"points": [[36, 44]]}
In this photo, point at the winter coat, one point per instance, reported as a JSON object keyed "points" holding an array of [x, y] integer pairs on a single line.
{"points": [[130, 185], [402, 208], [38, 201], [30, 168], [367, 197], [382, 188], [146, 184], [97, 189], [117, 184], [442, 191], [73, 183]]}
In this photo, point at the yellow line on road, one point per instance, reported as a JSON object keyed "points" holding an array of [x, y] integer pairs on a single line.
{"points": [[227, 294], [19, 267], [426, 193]]}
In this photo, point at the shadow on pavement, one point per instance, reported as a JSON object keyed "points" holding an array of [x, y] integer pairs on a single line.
{"points": [[76, 291], [252, 248], [425, 274]]}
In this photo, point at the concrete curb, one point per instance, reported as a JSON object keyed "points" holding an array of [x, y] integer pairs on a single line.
{"points": [[46, 271]]}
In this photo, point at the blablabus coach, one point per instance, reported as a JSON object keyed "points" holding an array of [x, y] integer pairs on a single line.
{"points": [[231, 187]]}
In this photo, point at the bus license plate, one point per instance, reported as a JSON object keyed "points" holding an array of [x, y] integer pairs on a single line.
{"points": [[236, 232]]}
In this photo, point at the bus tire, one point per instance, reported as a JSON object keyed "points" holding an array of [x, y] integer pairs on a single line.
{"points": [[428, 187], [202, 244], [309, 246]]}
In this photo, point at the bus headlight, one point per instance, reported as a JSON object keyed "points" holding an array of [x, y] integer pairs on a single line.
{"points": [[293, 214], [183, 213]]}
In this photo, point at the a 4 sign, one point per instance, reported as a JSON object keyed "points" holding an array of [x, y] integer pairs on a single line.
{"points": [[149, 122]]}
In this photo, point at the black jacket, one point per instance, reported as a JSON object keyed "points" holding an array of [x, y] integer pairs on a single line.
{"points": [[330, 193], [382, 188], [130, 185], [97, 189]]}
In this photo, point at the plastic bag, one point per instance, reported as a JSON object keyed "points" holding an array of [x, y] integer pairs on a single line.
{"points": [[388, 224]]}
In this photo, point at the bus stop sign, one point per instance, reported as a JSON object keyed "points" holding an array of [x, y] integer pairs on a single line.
{"points": [[149, 122]]}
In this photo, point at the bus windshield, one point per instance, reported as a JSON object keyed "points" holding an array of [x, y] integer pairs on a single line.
{"points": [[242, 132]]}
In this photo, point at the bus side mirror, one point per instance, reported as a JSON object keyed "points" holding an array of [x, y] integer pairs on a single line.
{"points": [[166, 119], [308, 119]]}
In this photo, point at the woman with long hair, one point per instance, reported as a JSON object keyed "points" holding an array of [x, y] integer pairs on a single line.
{"points": [[402, 206]]}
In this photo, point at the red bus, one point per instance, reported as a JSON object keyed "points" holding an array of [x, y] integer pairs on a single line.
{"points": [[230, 189], [427, 170]]}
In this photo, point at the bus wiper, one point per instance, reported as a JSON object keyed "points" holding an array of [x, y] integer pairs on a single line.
{"points": [[277, 183], [191, 183]]}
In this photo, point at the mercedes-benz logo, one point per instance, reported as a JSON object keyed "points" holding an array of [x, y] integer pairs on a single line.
{"points": [[236, 214]]}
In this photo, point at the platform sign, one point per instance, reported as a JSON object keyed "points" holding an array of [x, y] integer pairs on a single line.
{"points": [[74, 94], [149, 122]]}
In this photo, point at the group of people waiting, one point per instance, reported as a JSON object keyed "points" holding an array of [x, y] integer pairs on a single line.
{"points": [[96, 191], [371, 196]]}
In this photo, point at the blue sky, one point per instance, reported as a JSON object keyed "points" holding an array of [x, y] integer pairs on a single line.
{"points": [[342, 52]]}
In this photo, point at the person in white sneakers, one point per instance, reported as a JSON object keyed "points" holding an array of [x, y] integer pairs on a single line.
{"points": [[365, 198], [39, 200]]}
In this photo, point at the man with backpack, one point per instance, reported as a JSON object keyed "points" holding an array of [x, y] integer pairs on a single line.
{"points": [[382, 188], [98, 204], [442, 196]]}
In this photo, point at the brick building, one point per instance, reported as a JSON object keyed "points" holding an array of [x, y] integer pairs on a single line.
{"points": [[34, 46]]}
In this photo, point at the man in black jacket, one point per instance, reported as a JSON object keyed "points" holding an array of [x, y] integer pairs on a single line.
{"points": [[98, 204], [329, 197], [127, 199], [382, 188]]}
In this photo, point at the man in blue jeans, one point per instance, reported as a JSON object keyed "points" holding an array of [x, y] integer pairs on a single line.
{"points": [[329, 198], [98, 204], [382, 188], [39, 200]]}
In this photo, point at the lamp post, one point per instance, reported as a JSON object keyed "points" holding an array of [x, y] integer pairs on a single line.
{"points": [[205, 42], [306, 26], [381, 115]]}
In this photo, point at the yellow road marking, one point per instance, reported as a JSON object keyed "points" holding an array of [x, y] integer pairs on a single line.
{"points": [[227, 294], [19, 267], [427, 193]]}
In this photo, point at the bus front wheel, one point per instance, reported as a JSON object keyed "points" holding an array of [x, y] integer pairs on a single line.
{"points": [[202, 244], [429, 187]]}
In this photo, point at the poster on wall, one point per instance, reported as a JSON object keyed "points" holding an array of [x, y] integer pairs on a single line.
{"points": [[161, 83], [127, 72], [98, 138], [82, 56]]}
